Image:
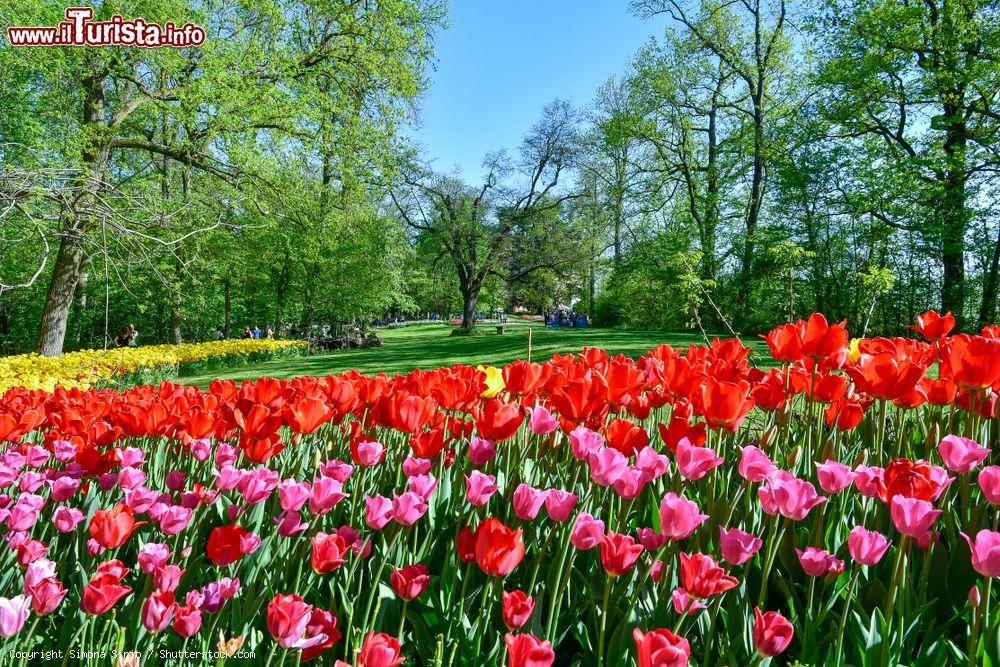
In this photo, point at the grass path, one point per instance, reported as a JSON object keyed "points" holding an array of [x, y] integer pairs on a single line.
{"points": [[430, 346]]}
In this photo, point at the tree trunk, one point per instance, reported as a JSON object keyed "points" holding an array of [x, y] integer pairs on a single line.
{"points": [[176, 337], [988, 307], [954, 218], [59, 299], [753, 210], [227, 324], [72, 248], [470, 297]]}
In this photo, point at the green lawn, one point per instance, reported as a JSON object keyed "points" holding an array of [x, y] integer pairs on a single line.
{"points": [[430, 346]]}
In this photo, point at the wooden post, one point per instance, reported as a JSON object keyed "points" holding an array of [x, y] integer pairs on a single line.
{"points": [[529, 342]]}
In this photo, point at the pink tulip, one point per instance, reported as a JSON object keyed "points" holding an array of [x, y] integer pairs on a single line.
{"points": [[66, 451], [481, 451], [559, 504], [866, 480], [912, 516], [650, 539], [789, 496], [175, 480], [542, 422], [167, 577], [413, 466], [337, 469], [290, 524], [684, 603], [588, 532], [152, 556], [695, 462], [989, 484], [960, 454], [408, 507], [174, 519], [867, 546], [378, 511], [819, 562], [583, 442], [737, 546], [326, 492], [130, 457], [63, 489], [227, 478], [631, 483], [652, 464], [13, 614], [755, 465], [226, 454], [834, 477], [201, 449], [985, 552], [249, 543], [479, 488], [66, 519], [257, 485], [679, 517], [422, 485], [370, 453], [527, 501], [607, 465], [293, 494]]}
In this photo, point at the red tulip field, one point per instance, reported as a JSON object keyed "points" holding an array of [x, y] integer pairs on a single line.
{"points": [[835, 506]]}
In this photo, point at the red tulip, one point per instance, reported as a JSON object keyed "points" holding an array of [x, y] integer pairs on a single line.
{"points": [[465, 544], [499, 421], [933, 326], [972, 362], [112, 528], [103, 592], [328, 551], [772, 632], [225, 544], [785, 342], [380, 650], [517, 608], [528, 651], [287, 618], [821, 340], [619, 553], [911, 479], [725, 404], [410, 581], [626, 437], [702, 577], [661, 648], [499, 549]]}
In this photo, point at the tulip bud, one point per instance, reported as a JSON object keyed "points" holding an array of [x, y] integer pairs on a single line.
{"points": [[768, 437], [974, 599], [933, 436], [862, 458], [794, 457]]}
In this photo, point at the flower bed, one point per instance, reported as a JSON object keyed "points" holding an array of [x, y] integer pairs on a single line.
{"points": [[683, 508], [135, 365]]}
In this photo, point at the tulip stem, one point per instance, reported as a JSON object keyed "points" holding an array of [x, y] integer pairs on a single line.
{"points": [[890, 601], [604, 622], [402, 620], [843, 615]]}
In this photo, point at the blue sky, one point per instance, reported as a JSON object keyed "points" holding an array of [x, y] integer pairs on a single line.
{"points": [[501, 61]]}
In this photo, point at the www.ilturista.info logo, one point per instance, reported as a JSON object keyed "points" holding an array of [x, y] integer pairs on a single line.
{"points": [[79, 30]]}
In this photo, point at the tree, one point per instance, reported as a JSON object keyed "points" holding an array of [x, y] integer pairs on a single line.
{"points": [[923, 81], [474, 227], [269, 71], [753, 44]]}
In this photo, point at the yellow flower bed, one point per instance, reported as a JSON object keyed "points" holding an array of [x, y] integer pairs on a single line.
{"points": [[86, 368]]}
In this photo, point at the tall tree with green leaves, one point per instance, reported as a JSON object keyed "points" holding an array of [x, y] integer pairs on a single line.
{"points": [[916, 86]]}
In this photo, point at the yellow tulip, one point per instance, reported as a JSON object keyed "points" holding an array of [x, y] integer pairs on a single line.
{"points": [[854, 352], [494, 381]]}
